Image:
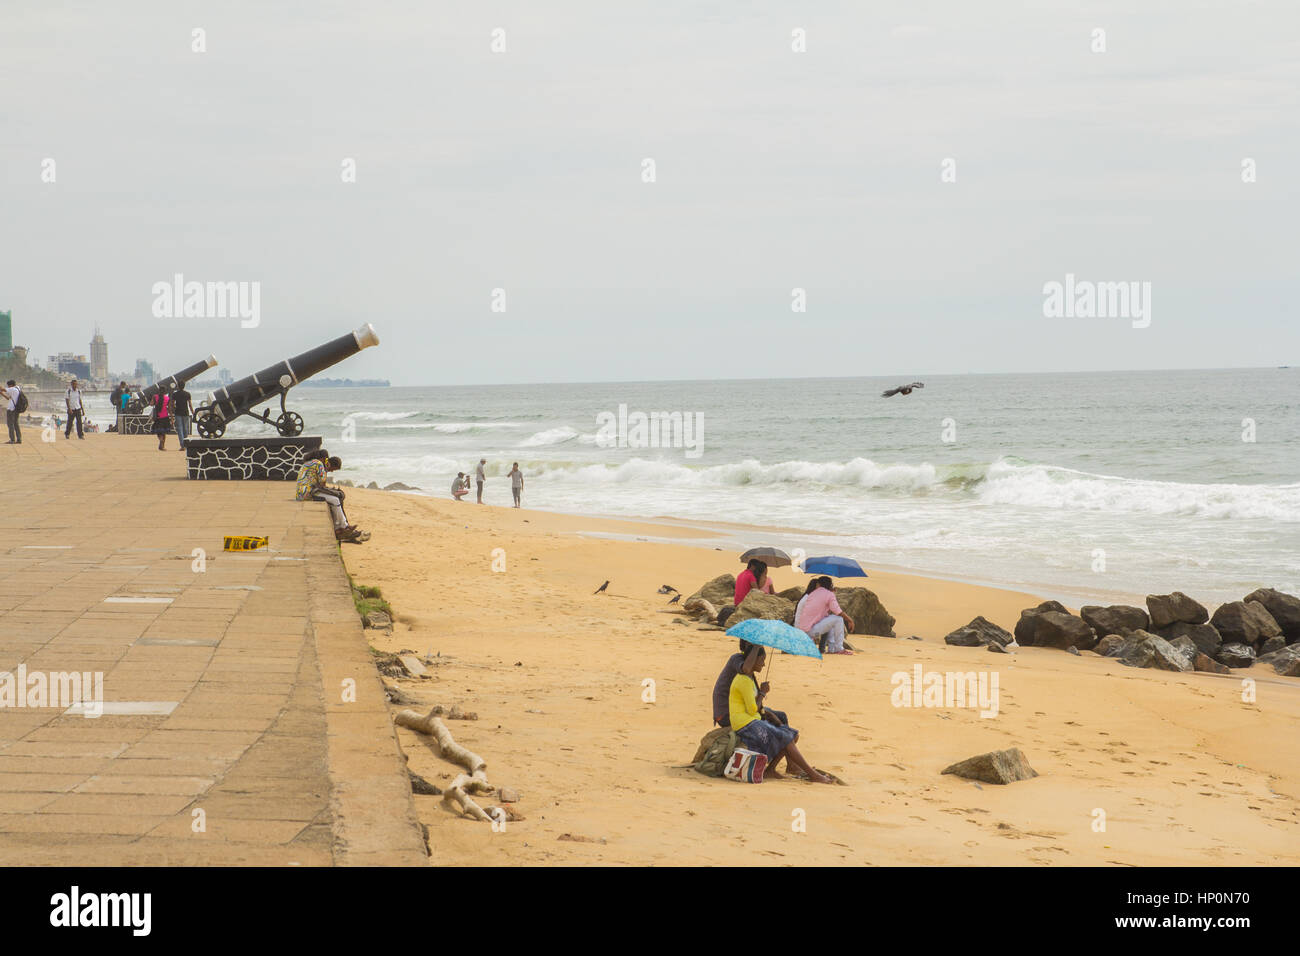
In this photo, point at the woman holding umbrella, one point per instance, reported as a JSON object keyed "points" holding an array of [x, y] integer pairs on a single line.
{"points": [[757, 734]]}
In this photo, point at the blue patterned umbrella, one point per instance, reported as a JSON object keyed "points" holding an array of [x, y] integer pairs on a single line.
{"points": [[777, 635], [834, 567]]}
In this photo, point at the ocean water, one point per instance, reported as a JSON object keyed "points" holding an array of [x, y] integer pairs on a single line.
{"points": [[1084, 486]]}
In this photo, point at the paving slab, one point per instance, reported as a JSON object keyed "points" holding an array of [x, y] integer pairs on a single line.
{"points": [[222, 739]]}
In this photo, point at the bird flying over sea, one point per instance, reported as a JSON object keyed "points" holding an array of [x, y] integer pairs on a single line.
{"points": [[602, 587], [902, 389]]}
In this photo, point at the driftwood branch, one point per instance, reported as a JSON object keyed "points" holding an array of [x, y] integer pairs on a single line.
{"points": [[475, 781]]}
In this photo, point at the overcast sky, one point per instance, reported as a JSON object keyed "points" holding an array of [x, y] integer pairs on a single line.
{"points": [[775, 169]]}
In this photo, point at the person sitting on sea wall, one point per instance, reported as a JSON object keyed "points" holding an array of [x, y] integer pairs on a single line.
{"points": [[459, 486], [312, 487], [762, 736], [822, 618]]}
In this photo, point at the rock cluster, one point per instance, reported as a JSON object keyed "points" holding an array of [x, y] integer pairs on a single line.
{"points": [[713, 603], [1174, 632]]}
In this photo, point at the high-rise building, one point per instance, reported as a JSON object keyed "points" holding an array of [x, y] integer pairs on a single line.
{"points": [[6, 332], [98, 357], [73, 366], [144, 372]]}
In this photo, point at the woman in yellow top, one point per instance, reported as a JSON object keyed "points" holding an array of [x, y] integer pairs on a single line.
{"points": [[755, 733]]}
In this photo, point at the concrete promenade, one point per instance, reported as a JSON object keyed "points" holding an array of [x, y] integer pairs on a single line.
{"points": [[244, 722]]}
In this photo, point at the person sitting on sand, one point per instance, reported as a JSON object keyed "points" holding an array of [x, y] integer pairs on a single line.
{"points": [[753, 576], [312, 487], [754, 733], [459, 486], [821, 617], [722, 692]]}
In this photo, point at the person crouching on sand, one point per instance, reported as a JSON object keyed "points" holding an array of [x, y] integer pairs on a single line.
{"points": [[754, 733], [820, 616], [459, 486]]}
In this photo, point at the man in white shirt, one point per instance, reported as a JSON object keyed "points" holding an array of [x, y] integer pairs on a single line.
{"points": [[479, 477], [11, 393], [73, 400]]}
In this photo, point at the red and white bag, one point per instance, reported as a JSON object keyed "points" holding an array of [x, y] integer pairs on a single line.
{"points": [[747, 766]]}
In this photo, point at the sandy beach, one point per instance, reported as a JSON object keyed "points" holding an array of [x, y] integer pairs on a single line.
{"points": [[1136, 767]]}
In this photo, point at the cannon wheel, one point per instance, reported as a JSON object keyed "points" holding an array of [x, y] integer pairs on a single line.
{"points": [[289, 424], [209, 426]]}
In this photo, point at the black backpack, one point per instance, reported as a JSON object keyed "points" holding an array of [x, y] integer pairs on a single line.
{"points": [[21, 404]]}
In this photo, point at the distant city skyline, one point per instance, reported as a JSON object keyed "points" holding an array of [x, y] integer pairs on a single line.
{"points": [[654, 192]]}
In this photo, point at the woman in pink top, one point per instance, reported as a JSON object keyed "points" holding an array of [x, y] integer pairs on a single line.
{"points": [[754, 576], [821, 618]]}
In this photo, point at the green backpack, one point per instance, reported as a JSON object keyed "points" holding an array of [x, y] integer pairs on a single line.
{"points": [[716, 748]]}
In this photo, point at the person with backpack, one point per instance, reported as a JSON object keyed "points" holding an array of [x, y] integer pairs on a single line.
{"points": [[72, 399], [162, 417], [15, 405]]}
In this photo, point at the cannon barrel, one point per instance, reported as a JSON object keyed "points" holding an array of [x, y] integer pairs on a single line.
{"points": [[238, 397], [180, 378]]}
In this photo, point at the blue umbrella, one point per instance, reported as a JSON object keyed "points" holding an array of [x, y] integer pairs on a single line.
{"points": [[777, 635], [834, 567]]}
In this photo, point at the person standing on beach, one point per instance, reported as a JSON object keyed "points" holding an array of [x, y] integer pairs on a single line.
{"points": [[182, 409], [72, 398], [516, 482], [479, 477]]}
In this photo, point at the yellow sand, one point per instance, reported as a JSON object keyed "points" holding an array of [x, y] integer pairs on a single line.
{"points": [[1183, 771]]}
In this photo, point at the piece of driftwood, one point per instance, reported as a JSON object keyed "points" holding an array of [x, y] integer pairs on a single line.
{"points": [[475, 781]]}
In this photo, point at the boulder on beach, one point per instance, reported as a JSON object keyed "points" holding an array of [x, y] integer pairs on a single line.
{"points": [[1271, 645], [1154, 652], [399, 486], [767, 606], [1118, 619], [719, 592], [1204, 636], [1027, 626], [1186, 647], [1284, 661], [869, 615], [1169, 609], [997, 766], [979, 632], [1063, 630], [1284, 608], [1236, 655], [1204, 662], [1112, 645], [1245, 622]]}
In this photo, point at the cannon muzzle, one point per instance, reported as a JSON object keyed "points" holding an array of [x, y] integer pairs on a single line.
{"points": [[180, 378]]}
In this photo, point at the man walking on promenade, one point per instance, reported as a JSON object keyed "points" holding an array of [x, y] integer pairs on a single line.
{"points": [[182, 409], [479, 477], [11, 393], [73, 400]]}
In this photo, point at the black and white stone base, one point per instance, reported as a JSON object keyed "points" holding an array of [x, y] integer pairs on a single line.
{"points": [[248, 459], [134, 424]]}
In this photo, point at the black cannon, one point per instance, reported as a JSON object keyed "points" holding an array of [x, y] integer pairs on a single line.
{"points": [[141, 402], [241, 397]]}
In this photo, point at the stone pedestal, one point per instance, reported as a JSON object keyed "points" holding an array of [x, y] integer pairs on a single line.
{"points": [[128, 424], [248, 459]]}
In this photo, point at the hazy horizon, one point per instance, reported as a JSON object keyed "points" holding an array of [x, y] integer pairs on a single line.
{"points": [[822, 170]]}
